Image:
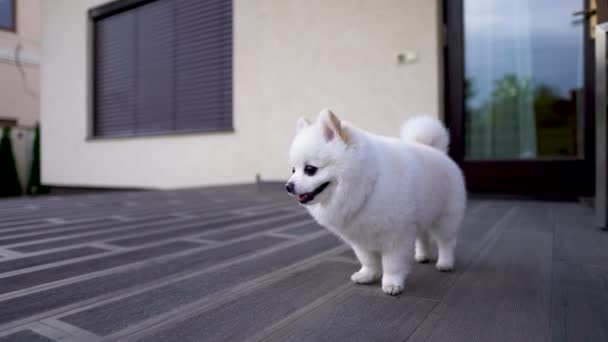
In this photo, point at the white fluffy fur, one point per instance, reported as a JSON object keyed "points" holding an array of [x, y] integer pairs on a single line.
{"points": [[387, 197], [427, 131]]}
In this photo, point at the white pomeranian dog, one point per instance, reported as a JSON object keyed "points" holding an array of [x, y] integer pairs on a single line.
{"points": [[385, 197]]}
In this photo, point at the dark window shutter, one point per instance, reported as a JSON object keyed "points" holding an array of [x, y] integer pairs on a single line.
{"points": [[163, 66], [155, 64], [115, 75], [204, 64]]}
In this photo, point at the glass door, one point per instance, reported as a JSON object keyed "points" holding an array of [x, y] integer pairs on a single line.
{"points": [[518, 95]]}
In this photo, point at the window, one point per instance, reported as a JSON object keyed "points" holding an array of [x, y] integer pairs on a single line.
{"points": [[162, 66], [5, 122], [7, 15]]}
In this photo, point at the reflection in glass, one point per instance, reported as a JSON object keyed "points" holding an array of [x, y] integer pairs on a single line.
{"points": [[524, 79]]}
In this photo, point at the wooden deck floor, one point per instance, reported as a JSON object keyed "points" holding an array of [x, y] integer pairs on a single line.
{"points": [[236, 264]]}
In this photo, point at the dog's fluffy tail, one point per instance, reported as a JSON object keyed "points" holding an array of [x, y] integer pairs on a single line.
{"points": [[426, 130]]}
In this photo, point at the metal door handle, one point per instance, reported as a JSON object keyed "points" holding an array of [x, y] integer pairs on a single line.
{"points": [[585, 13]]}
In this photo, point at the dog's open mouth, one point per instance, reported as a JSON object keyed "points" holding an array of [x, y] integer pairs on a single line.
{"points": [[309, 196]]}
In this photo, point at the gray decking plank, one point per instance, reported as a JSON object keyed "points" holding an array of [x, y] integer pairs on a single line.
{"points": [[25, 280], [200, 228], [52, 233], [303, 230], [539, 275], [245, 316], [109, 318], [579, 303], [426, 281], [578, 239], [361, 314], [121, 229], [47, 258], [503, 296], [256, 228], [46, 226], [38, 302], [25, 336]]}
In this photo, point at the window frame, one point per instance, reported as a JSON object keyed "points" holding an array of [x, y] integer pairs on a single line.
{"points": [[107, 10], [13, 28]]}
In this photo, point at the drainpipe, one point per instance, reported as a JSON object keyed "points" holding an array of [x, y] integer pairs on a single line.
{"points": [[21, 70]]}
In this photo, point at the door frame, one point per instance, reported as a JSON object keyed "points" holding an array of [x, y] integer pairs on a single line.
{"points": [[552, 177]]}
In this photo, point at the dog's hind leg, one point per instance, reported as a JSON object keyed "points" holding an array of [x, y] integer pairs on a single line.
{"points": [[445, 234], [371, 269], [423, 247]]}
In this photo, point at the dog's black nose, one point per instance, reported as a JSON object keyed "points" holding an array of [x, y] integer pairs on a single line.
{"points": [[290, 187]]}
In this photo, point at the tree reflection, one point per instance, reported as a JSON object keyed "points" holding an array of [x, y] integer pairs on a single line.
{"points": [[519, 120]]}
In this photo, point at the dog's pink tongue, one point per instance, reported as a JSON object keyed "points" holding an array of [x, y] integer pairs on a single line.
{"points": [[302, 196]]}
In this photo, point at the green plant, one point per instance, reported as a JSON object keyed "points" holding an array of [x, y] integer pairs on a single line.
{"points": [[33, 185], [9, 179]]}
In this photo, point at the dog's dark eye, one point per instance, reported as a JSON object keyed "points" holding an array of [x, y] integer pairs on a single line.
{"points": [[310, 170], [293, 170]]}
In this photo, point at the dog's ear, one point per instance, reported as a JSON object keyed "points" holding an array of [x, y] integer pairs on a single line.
{"points": [[332, 126], [301, 124]]}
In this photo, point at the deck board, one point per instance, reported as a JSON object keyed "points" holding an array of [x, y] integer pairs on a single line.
{"points": [[246, 263]]}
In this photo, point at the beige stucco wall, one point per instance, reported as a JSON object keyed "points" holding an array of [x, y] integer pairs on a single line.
{"points": [[291, 58], [19, 89], [20, 83]]}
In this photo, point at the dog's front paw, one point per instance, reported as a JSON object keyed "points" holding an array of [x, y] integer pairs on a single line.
{"points": [[392, 289], [392, 284], [365, 276]]}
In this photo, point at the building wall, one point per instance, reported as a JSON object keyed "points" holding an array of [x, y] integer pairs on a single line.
{"points": [[20, 81], [291, 58], [19, 85]]}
